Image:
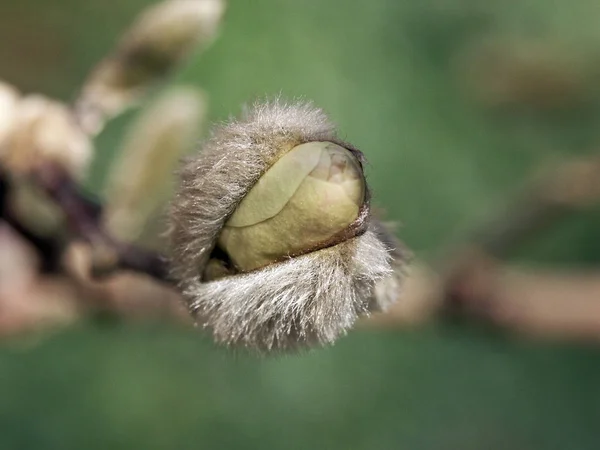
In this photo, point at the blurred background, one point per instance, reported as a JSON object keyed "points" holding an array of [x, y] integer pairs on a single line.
{"points": [[455, 104]]}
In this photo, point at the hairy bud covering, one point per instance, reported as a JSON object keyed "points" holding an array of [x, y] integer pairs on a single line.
{"points": [[272, 238]]}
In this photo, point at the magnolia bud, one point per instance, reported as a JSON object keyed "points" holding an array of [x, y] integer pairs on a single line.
{"points": [[142, 175], [311, 193], [45, 131], [42, 133], [272, 238], [160, 39]]}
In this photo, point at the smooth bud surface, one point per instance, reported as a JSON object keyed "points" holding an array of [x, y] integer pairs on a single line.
{"points": [[309, 195]]}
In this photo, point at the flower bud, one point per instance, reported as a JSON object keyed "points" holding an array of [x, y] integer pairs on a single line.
{"points": [[142, 174], [45, 131], [42, 133], [162, 37], [273, 243]]}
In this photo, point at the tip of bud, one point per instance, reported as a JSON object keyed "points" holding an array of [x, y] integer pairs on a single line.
{"points": [[338, 166]]}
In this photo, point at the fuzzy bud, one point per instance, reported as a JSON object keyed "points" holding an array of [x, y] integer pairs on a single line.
{"points": [[162, 37], [41, 133], [272, 238], [142, 174]]}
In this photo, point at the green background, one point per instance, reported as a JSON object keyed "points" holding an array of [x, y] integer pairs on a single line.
{"points": [[387, 72]]}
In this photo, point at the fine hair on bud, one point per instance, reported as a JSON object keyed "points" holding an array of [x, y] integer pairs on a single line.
{"points": [[272, 238]]}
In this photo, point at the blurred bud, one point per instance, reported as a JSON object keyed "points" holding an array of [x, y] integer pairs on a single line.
{"points": [[312, 193], [143, 171], [272, 237], [157, 42], [9, 98], [44, 131]]}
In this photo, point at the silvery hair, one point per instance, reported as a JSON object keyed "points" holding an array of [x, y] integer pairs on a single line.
{"points": [[300, 301]]}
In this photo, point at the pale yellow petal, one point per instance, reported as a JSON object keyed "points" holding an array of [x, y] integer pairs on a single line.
{"points": [[275, 188], [326, 202]]}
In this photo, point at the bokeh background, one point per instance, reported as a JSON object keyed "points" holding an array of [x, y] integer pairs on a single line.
{"points": [[455, 103]]}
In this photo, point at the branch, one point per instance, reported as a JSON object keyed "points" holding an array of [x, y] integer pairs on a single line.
{"points": [[83, 218], [49, 249], [472, 282]]}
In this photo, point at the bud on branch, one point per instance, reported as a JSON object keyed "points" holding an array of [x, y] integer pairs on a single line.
{"points": [[273, 242]]}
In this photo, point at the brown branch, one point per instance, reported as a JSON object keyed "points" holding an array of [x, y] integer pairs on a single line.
{"points": [[555, 304], [472, 282], [470, 278], [48, 249], [551, 303], [83, 218]]}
